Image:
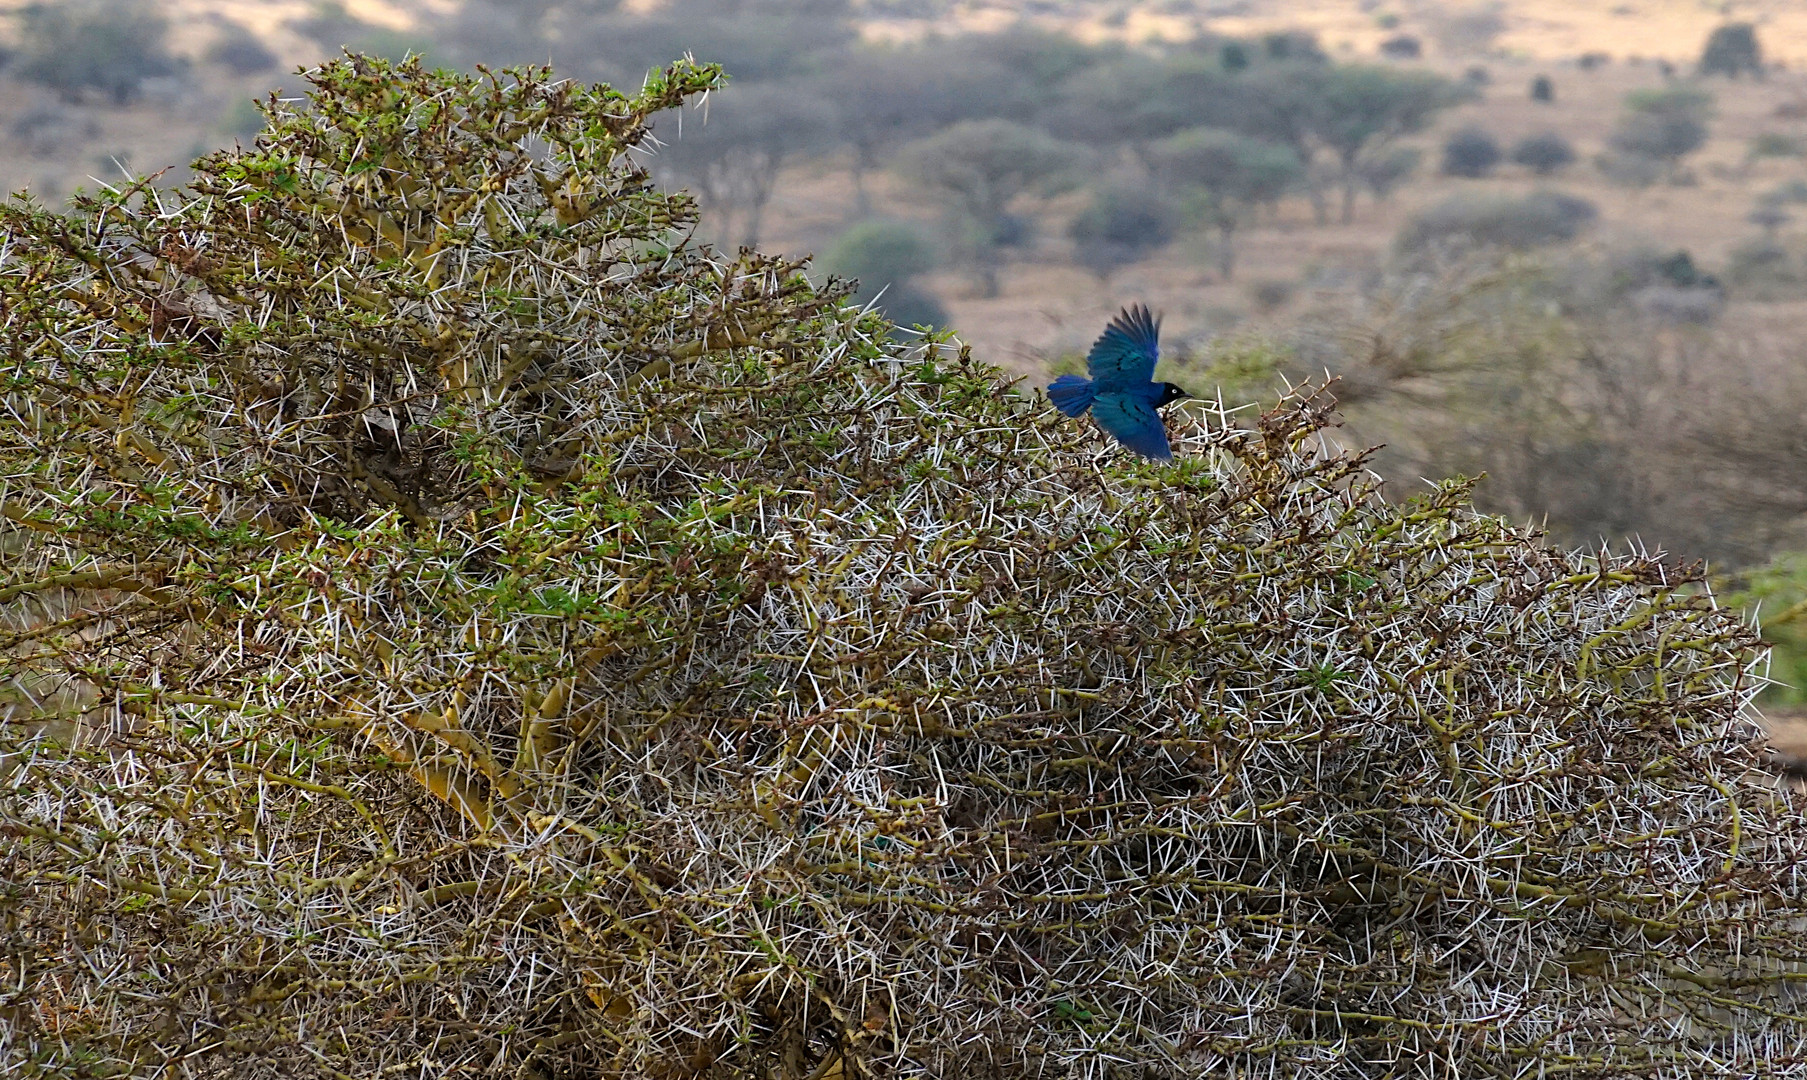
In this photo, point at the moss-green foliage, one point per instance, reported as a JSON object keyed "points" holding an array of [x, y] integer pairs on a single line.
{"points": [[1776, 595], [454, 625]]}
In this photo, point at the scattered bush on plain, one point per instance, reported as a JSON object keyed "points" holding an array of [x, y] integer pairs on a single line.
{"points": [[1544, 217], [1544, 154], [1470, 152]]}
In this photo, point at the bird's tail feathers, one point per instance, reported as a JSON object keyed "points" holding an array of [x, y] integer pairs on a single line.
{"points": [[1071, 394]]}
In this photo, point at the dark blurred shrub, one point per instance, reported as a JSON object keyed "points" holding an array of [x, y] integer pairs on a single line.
{"points": [[109, 46], [501, 33], [1294, 45], [329, 24], [1401, 47], [1763, 270], [334, 27], [1234, 56], [1663, 125], [1678, 269], [1270, 294], [240, 51], [1769, 217], [878, 254], [1124, 224], [1477, 76], [1544, 153], [1385, 171], [1588, 61], [884, 257], [1542, 89], [1732, 50], [1387, 20], [1679, 306], [1793, 191], [1773, 144], [1665, 286], [1470, 152], [395, 45], [1012, 231], [1544, 217], [1649, 279], [908, 304]]}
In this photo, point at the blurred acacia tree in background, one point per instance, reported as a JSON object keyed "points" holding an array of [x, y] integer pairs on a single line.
{"points": [[885, 257], [1732, 50], [107, 46], [1222, 178], [887, 97], [1362, 109], [1544, 153], [980, 167], [1125, 222], [1382, 172], [732, 159], [240, 51], [1664, 125]]}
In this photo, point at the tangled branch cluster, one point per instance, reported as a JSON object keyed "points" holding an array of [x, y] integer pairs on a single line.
{"points": [[455, 626]]}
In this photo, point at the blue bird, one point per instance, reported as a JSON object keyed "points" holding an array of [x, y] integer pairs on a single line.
{"points": [[1122, 393]]}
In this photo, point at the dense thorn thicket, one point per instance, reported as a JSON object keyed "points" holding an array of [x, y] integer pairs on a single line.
{"points": [[453, 625]]}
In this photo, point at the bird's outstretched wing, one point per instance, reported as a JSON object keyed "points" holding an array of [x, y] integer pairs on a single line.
{"points": [[1134, 422], [1125, 353]]}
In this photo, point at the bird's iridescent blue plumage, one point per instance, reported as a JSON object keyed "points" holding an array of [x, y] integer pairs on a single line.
{"points": [[1125, 354], [1071, 394], [1130, 416], [1122, 393]]}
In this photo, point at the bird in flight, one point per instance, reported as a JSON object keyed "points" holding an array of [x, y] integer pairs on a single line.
{"points": [[1122, 393]]}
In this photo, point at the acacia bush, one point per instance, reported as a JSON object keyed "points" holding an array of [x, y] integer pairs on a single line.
{"points": [[1732, 50], [1663, 125], [1470, 152], [455, 624], [1123, 224], [1542, 217], [1544, 153]]}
